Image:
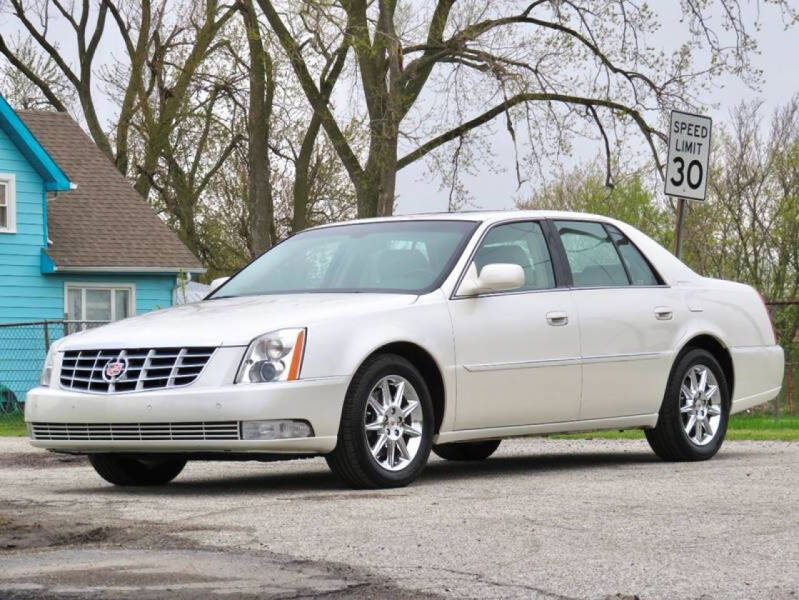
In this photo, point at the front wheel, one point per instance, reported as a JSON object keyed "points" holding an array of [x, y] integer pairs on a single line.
{"points": [[386, 425], [129, 471], [693, 417]]}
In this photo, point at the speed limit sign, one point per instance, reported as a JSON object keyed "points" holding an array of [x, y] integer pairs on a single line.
{"points": [[689, 154]]}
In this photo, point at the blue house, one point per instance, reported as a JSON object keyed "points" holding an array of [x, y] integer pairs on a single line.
{"points": [[77, 242]]}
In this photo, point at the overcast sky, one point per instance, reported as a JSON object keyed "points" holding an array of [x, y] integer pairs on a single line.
{"points": [[419, 192]]}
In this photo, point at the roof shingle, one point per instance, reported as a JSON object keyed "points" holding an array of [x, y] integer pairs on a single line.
{"points": [[104, 222]]}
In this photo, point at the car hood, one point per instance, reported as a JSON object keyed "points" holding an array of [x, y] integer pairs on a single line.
{"points": [[230, 321]]}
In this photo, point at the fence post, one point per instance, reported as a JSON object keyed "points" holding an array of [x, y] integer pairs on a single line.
{"points": [[46, 337], [789, 387]]}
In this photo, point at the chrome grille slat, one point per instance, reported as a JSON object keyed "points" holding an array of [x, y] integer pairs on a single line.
{"points": [[213, 430], [148, 369]]}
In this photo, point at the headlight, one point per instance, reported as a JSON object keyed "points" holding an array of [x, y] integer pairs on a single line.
{"points": [[47, 371], [275, 356]]}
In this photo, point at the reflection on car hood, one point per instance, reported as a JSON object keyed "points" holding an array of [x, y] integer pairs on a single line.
{"points": [[230, 321]]}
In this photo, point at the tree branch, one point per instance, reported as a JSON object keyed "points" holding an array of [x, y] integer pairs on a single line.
{"points": [[317, 100], [649, 133], [33, 77]]}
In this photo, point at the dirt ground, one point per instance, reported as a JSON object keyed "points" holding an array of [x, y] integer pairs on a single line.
{"points": [[549, 519]]}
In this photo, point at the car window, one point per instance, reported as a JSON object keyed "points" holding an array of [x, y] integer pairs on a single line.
{"points": [[592, 257], [522, 244], [640, 271], [397, 256]]}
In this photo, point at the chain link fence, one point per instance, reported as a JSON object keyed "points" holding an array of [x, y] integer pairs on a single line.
{"points": [[785, 316], [23, 348]]}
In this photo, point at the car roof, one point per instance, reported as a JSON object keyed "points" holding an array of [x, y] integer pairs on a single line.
{"points": [[484, 216]]}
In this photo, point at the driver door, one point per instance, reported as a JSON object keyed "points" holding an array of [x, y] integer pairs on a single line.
{"points": [[517, 352]]}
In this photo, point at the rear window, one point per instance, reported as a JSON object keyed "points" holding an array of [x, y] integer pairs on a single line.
{"points": [[592, 255]]}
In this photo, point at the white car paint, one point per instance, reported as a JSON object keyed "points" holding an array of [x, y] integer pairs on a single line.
{"points": [[511, 363]]}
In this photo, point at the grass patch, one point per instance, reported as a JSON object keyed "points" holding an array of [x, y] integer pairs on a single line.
{"points": [[741, 427], [12, 425]]}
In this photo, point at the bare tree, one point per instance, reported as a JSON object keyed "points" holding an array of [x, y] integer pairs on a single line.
{"points": [[261, 97], [87, 40], [580, 63], [31, 79]]}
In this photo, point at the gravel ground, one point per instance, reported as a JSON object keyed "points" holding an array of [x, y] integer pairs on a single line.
{"points": [[542, 519]]}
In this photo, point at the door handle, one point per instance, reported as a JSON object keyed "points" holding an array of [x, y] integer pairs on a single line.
{"points": [[557, 318], [663, 313]]}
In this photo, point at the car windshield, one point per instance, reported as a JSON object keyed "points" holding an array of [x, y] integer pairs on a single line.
{"points": [[390, 256]]}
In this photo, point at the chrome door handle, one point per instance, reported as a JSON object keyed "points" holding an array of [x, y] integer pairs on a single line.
{"points": [[557, 318], [663, 313]]}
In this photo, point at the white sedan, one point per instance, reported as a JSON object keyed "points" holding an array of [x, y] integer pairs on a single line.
{"points": [[373, 342]]}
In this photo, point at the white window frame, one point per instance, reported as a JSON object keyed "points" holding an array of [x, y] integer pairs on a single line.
{"points": [[9, 180], [74, 285]]}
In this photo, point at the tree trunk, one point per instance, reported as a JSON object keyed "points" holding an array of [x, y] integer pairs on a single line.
{"points": [[376, 194], [302, 184], [260, 202]]}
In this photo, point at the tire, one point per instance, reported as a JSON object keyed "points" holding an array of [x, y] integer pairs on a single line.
{"points": [[353, 459], [674, 438], [128, 471], [467, 450]]}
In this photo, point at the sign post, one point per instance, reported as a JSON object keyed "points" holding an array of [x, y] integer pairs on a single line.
{"points": [[687, 164]]}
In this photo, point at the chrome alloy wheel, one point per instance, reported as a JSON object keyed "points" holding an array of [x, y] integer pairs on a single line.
{"points": [[700, 405], [393, 422]]}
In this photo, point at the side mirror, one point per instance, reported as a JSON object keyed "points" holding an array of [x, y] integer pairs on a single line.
{"points": [[496, 277], [217, 283]]}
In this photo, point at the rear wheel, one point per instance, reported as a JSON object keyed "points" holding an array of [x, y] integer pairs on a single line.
{"points": [[693, 417], [386, 425], [125, 470], [467, 450]]}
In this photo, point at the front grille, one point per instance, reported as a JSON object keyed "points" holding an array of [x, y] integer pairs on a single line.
{"points": [[146, 369], [91, 432]]}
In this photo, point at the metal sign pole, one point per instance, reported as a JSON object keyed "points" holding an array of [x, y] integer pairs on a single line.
{"points": [[679, 228]]}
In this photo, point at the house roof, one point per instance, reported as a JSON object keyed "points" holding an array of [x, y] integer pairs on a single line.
{"points": [[54, 177], [103, 224]]}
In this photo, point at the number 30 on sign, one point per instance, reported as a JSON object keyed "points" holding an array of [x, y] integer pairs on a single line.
{"points": [[689, 154]]}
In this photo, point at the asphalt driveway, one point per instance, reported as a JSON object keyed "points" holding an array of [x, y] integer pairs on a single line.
{"points": [[542, 519]]}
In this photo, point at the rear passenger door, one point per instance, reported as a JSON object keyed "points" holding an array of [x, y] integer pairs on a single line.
{"points": [[628, 320]]}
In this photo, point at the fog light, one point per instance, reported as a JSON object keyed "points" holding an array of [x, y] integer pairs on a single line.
{"points": [[275, 430]]}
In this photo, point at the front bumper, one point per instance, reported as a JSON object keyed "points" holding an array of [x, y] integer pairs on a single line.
{"points": [[318, 401]]}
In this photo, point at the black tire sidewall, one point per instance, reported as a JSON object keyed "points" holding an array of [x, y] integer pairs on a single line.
{"points": [[467, 451], [690, 359], [359, 395], [128, 471]]}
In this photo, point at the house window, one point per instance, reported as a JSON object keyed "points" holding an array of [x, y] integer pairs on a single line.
{"points": [[93, 303], [8, 217]]}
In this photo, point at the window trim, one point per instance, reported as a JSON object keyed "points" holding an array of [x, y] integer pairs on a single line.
{"points": [[129, 287], [561, 250], [561, 283], [10, 181]]}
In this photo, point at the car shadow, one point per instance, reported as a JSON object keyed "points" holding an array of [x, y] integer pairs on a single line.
{"points": [[319, 483]]}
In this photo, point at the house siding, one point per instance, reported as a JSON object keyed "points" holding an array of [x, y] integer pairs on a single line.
{"points": [[20, 251], [42, 298]]}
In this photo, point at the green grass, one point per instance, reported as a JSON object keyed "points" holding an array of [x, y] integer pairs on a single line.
{"points": [[741, 427], [12, 425]]}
